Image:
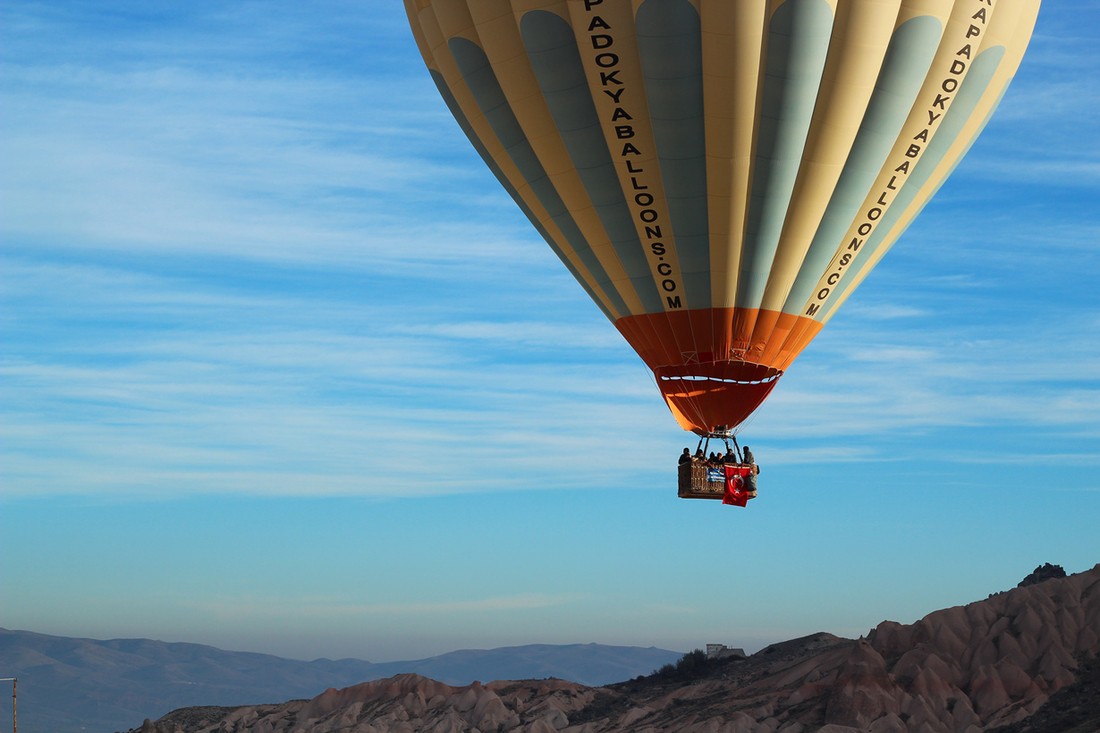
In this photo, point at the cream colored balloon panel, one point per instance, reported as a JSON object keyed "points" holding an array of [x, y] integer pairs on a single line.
{"points": [[965, 88], [976, 100], [900, 79], [486, 132], [460, 117], [670, 52], [555, 59], [796, 49], [479, 77]]}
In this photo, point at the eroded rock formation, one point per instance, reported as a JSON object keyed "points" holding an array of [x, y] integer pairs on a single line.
{"points": [[987, 665]]}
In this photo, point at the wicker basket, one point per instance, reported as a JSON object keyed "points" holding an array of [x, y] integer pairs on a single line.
{"points": [[695, 484], [700, 481]]}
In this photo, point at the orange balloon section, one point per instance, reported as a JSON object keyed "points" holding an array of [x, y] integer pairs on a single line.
{"points": [[720, 175], [689, 353]]}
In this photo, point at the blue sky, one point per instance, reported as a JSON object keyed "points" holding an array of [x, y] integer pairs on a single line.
{"points": [[285, 370]]}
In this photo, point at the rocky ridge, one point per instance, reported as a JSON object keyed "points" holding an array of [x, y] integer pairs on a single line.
{"points": [[991, 665]]}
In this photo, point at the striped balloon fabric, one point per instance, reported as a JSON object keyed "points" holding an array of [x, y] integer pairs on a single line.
{"points": [[720, 175]]}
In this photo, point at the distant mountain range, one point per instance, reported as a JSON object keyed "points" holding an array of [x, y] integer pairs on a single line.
{"points": [[89, 686], [1021, 661]]}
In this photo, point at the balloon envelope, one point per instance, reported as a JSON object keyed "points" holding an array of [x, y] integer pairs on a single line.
{"points": [[719, 175]]}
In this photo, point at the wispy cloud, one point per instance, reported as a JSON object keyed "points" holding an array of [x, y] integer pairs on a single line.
{"points": [[256, 268]]}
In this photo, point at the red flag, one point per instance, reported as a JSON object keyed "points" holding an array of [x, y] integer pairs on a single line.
{"points": [[736, 494]]}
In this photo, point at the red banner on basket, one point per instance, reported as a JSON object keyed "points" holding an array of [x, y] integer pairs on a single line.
{"points": [[736, 493]]}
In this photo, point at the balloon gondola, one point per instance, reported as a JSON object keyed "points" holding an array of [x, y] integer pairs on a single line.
{"points": [[729, 475], [719, 175]]}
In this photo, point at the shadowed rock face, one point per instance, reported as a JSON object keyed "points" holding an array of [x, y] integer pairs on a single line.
{"points": [[990, 665], [1046, 571]]}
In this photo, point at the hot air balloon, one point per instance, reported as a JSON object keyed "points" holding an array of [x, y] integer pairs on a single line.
{"points": [[720, 175]]}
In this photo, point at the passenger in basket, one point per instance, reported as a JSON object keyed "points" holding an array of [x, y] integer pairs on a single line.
{"points": [[685, 457], [750, 479]]}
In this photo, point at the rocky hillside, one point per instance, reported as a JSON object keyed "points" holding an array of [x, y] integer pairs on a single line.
{"points": [[69, 685], [1023, 660]]}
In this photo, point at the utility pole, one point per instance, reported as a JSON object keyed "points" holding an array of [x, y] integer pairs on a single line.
{"points": [[14, 682]]}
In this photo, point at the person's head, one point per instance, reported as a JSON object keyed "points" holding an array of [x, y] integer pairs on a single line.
{"points": [[687, 452]]}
